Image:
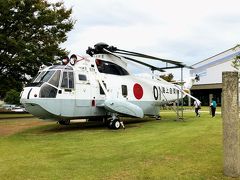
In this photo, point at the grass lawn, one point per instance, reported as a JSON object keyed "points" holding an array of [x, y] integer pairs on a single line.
{"points": [[14, 115], [146, 149]]}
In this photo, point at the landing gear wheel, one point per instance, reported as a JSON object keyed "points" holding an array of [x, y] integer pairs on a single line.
{"points": [[114, 124], [64, 122]]}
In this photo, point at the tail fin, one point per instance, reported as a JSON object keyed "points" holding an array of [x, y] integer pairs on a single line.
{"points": [[187, 86]]}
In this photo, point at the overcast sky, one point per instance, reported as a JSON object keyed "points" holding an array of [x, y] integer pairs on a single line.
{"points": [[182, 30]]}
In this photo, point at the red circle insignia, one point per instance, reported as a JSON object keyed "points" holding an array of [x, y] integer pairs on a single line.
{"points": [[138, 91]]}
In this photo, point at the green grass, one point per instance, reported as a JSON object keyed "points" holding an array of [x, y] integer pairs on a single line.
{"points": [[14, 115], [147, 149]]}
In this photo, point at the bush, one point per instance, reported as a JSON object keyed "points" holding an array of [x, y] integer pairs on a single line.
{"points": [[12, 97]]}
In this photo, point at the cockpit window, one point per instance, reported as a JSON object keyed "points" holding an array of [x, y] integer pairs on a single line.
{"points": [[51, 77], [38, 77], [110, 68], [44, 76], [55, 78], [47, 91]]}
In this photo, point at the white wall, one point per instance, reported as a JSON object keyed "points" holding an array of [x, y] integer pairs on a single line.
{"points": [[213, 74], [210, 70]]}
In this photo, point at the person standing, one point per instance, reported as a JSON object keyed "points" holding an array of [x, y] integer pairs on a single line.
{"points": [[213, 107], [197, 106]]}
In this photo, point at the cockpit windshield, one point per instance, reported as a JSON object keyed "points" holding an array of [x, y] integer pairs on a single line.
{"points": [[44, 76], [49, 82], [51, 77]]}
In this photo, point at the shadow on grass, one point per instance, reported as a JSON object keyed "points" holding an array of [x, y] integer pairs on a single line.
{"points": [[89, 126]]}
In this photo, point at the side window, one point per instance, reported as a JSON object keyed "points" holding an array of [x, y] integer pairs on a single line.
{"points": [[124, 90], [68, 80], [170, 90], [65, 80], [82, 77], [110, 68]]}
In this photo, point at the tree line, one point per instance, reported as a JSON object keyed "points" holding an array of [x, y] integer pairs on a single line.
{"points": [[30, 34]]}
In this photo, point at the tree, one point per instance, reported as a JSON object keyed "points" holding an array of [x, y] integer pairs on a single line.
{"points": [[169, 77], [12, 97], [30, 34]]}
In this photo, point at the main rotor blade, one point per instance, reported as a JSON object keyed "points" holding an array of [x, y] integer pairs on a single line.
{"points": [[134, 60], [177, 63], [110, 52], [153, 68], [120, 51], [103, 47], [146, 57]]}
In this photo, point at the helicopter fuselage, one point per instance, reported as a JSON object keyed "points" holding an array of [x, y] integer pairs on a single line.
{"points": [[95, 87]]}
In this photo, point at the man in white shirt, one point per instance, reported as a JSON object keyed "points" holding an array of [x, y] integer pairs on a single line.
{"points": [[197, 106]]}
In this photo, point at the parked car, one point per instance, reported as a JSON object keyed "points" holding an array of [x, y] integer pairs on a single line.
{"points": [[9, 106], [19, 109]]}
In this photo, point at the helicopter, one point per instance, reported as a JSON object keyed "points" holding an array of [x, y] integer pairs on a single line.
{"points": [[100, 87]]}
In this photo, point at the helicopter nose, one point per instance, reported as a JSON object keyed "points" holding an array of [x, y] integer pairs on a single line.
{"points": [[29, 93]]}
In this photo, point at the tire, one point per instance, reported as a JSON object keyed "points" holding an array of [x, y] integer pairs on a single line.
{"points": [[64, 122], [115, 124]]}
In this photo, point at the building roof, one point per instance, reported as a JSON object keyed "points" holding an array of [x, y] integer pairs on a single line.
{"points": [[221, 53], [210, 70], [216, 59]]}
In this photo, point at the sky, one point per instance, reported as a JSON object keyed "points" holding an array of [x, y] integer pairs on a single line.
{"points": [[188, 31]]}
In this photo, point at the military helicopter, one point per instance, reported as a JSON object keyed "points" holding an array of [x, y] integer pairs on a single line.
{"points": [[100, 87]]}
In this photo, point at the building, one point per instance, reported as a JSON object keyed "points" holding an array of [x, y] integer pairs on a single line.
{"points": [[210, 72]]}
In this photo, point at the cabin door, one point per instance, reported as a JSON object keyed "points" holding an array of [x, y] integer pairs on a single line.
{"points": [[84, 98], [66, 94]]}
